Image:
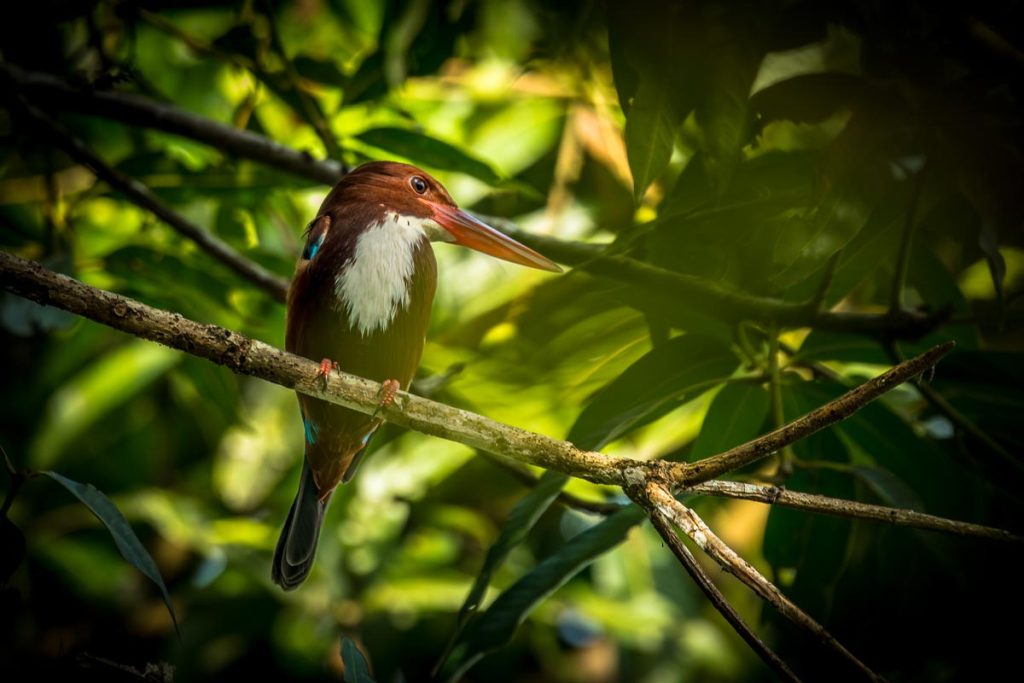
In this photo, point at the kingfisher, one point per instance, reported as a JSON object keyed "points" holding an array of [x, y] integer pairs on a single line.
{"points": [[360, 301]]}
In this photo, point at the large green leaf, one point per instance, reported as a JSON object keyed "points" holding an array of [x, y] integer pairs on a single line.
{"points": [[429, 151], [495, 627], [660, 381], [127, 542]]}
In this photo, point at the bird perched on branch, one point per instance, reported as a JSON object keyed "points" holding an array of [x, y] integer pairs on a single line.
{"points": [[360, 300]]}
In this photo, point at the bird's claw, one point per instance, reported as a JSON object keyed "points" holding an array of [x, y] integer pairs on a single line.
{"points": [[387, 392], [326, 365]]}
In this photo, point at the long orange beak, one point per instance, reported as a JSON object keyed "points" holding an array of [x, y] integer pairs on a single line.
{"points": [[469, 232]]}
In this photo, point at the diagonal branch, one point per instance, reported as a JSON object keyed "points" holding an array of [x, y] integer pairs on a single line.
{"points": [[714, 594], [142, 196], [830, 413], [657, 498]]}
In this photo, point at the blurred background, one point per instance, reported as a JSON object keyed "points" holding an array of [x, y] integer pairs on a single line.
{"points": [[848, 173]]}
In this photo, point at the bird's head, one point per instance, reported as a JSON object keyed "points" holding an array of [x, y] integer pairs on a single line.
{"points": [[380, 187]]}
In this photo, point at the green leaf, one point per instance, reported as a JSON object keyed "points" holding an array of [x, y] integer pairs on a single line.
{"points": [[521, 520], [660, 381], [127, 542], [495, 627], [650, 133], [356, 668], [429, 151], [735, 416]]}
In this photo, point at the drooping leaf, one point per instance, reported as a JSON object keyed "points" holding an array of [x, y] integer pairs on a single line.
{"points": [[735, 416], [520, 520], [660, 381], [496, 626], [127, 542], [429, 151], [356, 668], [650, 134]]}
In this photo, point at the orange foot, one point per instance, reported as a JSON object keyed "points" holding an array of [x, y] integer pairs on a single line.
{"points": [[326, 365], [387, 392]]}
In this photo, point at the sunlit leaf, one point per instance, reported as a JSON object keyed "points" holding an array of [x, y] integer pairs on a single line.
{"points": [[665, 378], [423, 149]]}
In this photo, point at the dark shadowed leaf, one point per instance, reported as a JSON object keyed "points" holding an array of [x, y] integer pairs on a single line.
{"points": [[520, 521], [735, 416], [660, 381], [127, 542], [423, 149], [356, 668], [495, 627]]}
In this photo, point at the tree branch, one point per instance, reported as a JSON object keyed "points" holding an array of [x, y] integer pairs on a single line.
{"points": [[251, 357], [657, 498], [830, 413], [133, 110], [142, 196], [849, 508], [715, 596]]}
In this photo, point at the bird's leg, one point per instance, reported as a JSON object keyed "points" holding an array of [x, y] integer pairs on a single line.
{"points": [[387, 392], [326, 365]]}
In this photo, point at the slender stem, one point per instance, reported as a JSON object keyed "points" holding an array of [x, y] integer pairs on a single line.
{"points": [[717, 598], [310, 107], [786, 455], [659, 499], [773, 495], [143, 197], [523, 474], [939, 403], [899, 278], [817, 301]]}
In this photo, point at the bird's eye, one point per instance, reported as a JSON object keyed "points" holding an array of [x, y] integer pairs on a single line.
{"points": [[418, 184]]}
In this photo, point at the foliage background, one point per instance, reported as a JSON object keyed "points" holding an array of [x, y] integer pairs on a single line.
{"points": [[783, 149]]}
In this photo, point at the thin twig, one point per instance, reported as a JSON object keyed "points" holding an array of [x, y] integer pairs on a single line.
{"points": [[142, 196], [828, 414], [717, 598], [773, 495], [700, 533], [138, 111], [310, 107], [939, 403]]}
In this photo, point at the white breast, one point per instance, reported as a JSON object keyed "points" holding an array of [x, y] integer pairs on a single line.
{"points": [[374, 285]]}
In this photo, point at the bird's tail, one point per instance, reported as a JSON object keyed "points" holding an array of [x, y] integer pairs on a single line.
{"points": [[296, 548]]}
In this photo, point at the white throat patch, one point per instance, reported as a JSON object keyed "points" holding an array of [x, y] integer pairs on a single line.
{"points": [[374, 285]]}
